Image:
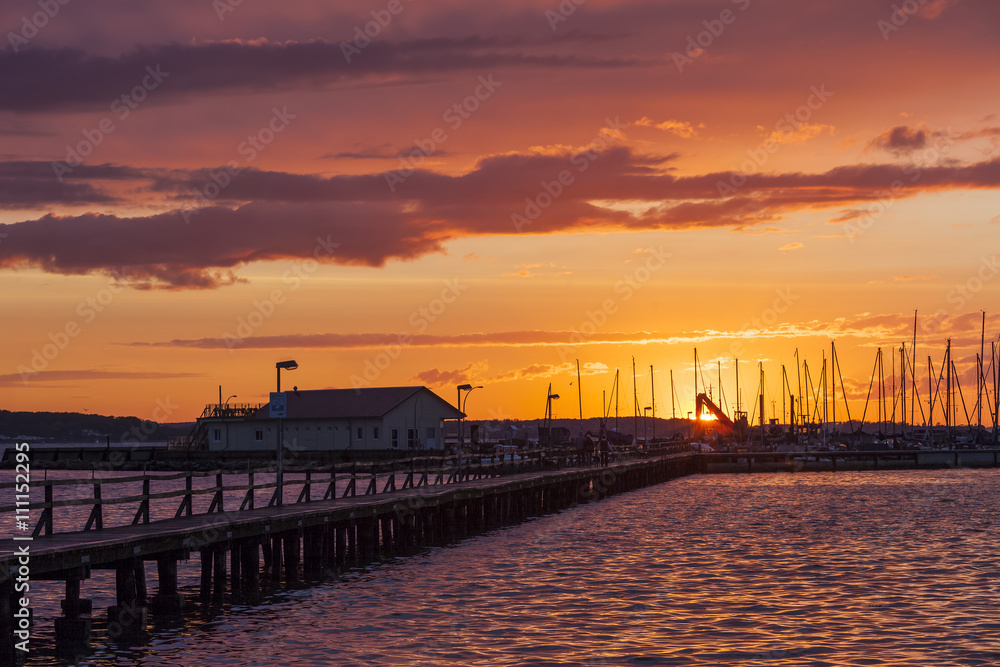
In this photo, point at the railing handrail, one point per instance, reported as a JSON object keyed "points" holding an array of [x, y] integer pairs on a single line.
{"points": [[434, 470]]}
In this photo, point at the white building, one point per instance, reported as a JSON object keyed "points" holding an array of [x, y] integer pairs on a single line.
{"points": [[366, 418]]}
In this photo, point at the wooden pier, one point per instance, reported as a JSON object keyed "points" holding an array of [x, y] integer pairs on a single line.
{"points": [[248, 550]]}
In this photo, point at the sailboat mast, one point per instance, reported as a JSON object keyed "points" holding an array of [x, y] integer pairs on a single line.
{"points": [[947, 401], [913, 374], [696, 381], [579, 392], [652, 389], [763, 438], [616, 399], [798, 372], [737, 359], [894, 393], [635, 406], [996, 394], [833, 381], [930, 399], [673, 392], [784, 381], [982, 380]]}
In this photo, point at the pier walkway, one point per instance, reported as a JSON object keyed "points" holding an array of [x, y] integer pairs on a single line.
{"points": [[244, 551]]}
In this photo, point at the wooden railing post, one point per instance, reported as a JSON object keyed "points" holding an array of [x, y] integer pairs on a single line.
{"points": [[390, 484], [331, 490], [306, 493], [142, 514], [217, 499], [185, 507], [249, 497], [45, 521], [96, 517]]}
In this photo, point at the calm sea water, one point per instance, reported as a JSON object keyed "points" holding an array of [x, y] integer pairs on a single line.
{"points": [[859, 568]]}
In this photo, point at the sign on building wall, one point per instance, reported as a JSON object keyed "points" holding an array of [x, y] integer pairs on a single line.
{"points": [[278, 405]]}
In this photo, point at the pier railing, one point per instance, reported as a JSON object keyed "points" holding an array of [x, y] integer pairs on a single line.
{"points": [[175, 495]]}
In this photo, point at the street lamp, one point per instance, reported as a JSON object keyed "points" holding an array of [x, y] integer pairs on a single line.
{"points": [[549, 397], [227, 400], [645, 422], [289, 365], [468, 388]]}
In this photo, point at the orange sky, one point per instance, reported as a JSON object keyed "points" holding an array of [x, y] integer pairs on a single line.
{"points": [[487, 194]]}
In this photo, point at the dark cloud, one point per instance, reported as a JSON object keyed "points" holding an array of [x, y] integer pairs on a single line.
{"points": [[274, 215], [71, 79], [199, 250], [901, 139], [19, 379]]}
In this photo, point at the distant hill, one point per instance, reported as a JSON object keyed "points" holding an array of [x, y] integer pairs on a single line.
{"points": [[78, 427]]}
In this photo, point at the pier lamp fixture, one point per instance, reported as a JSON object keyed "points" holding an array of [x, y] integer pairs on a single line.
{"points": [[549, 397], [289, 365], [467, 388], [227, 400]]}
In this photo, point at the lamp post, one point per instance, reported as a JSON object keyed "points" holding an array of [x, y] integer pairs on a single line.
{"points": [[289, 365], [549, 397], [468, 388]]}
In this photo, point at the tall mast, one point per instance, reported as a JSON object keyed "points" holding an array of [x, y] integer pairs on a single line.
{"points": [[635, 404], [798, 372], [902, 385], [913, 373], [996, 393], [894, 392], [673, 392], [930, 399], [784, 383], [824, 398], [763, 437], [947, 404], [579, 392], [833, 380], [737, 383], [808, 414], [982, 380], [617, 389], [696, 381], [652, 389]]}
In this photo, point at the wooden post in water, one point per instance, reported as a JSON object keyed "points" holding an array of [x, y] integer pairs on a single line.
{"points": [[127, 619], [73, 628], [167, 601]]}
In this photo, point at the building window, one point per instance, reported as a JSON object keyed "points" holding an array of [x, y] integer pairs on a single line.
{"points": [[258, 435], [361, 433], [395, 438], [216, 434], [430, 431], [375, 433], [411, 438]]}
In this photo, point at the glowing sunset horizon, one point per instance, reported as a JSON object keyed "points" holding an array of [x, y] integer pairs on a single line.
{"points": [[423, 194]]}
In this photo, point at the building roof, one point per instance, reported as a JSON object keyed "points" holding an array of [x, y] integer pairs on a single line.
{"points": [[362, 402]]}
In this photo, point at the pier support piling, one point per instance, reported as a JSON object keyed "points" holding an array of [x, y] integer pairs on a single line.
{"points": [[167, 601], [127, 620], [73, 628]]}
